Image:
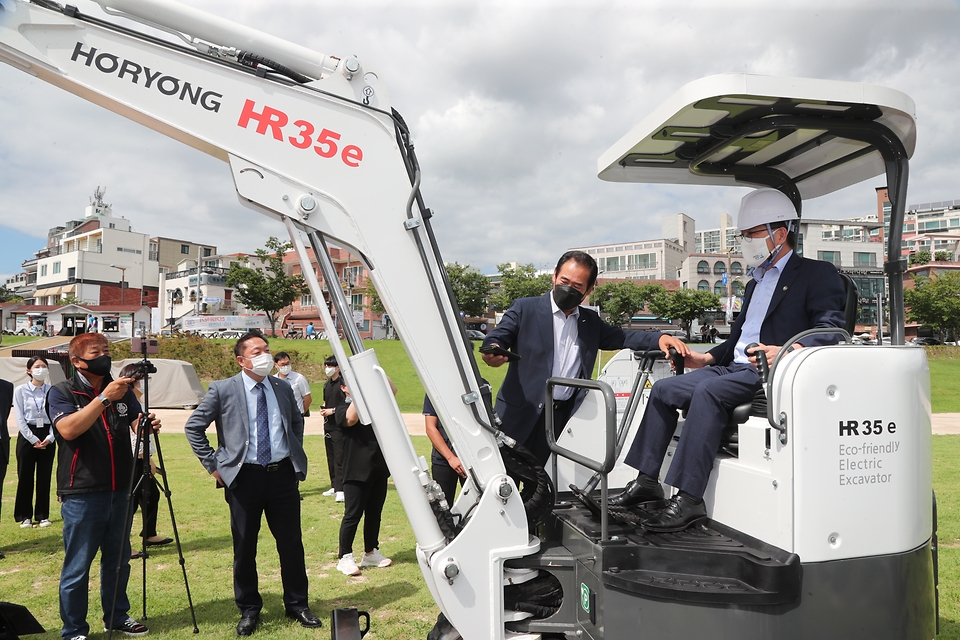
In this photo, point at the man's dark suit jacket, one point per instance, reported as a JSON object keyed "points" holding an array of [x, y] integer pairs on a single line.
{"points": [[527, 329], [6, 401], [809, 294]]}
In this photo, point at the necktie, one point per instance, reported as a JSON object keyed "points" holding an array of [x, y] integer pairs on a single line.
{"points": [[263, 427]]}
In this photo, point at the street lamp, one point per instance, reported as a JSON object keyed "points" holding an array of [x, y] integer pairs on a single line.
{"points": [[123, 280]]}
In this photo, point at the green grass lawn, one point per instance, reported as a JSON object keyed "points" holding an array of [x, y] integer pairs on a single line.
{"points": [[944, 371], [396, 597], [13, 341], [392, 357], [945, 385], [398, 601]]}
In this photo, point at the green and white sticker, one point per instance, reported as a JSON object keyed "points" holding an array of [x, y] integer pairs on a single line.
{"points": [[585, 597]]}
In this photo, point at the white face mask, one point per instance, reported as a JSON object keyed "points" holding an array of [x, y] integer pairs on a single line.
{"points": [[285, 370], [329, 371], [262, 364], [40, 374], [754, 252]]}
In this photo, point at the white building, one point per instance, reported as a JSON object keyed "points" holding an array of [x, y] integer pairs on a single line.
{"points": [[98, 260], [647, 259], [188, 294]]}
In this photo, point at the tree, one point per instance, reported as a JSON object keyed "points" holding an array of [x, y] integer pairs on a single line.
{"points": [[943, 256], [621, 300], [919, 257], [520, 282], [470, 288], [7, 295], [375, 304], [71, 299], [268, 289], [685, 305], [935, 302]]}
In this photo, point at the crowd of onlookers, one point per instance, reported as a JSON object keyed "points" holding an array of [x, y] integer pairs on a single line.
{"points": [[89, 424]]}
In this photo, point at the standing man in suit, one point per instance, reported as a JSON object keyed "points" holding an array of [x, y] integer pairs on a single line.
{"points": [[788, 294], [259, 461], [6, 401], [555, 336]]}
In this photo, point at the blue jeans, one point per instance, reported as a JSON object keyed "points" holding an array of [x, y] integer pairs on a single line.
{"points": [[92, 522]]}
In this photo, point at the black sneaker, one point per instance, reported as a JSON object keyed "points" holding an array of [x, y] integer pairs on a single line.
{"points": [[130, 627]]}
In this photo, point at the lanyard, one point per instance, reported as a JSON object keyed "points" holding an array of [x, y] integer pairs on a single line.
{"points": [[40, 405]]}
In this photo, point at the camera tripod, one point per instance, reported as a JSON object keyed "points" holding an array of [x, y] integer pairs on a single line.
{"points": [[144, 481]]}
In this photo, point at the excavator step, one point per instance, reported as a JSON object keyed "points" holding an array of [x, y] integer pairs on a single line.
{"points": [[708, 563]]}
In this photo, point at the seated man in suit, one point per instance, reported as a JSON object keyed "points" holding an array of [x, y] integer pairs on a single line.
{"points": [[788, 294], [555, 336], [258, 461]]}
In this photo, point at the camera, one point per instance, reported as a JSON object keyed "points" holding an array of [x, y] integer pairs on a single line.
{"points": [[138, 370]]}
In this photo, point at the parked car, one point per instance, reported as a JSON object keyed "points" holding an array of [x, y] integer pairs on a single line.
{"points": [[473, 334], [925, 341]]}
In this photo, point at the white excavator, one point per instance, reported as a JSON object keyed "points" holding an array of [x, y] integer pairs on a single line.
{"points": [[821, 515]]}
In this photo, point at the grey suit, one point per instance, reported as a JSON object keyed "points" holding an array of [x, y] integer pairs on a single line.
{"points": [[225, 404], [252, 490]]}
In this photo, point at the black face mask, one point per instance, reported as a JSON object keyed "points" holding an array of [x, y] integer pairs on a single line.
{"points": [[99, 366], [566, 297]]}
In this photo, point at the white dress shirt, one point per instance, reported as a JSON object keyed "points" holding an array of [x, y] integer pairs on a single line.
{"points": [[278, 439], [757, 309], [30, 403], [566, 351]]}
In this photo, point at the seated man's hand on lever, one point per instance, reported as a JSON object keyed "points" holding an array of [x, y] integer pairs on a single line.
{"points": [[770, 351], [669, 341], [697, 360]]}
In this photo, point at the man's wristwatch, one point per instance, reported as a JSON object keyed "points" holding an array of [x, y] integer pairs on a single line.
{"points": [[103, 400]]}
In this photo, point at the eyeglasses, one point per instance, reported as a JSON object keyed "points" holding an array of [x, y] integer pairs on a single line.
{"points": [[759, 233]]}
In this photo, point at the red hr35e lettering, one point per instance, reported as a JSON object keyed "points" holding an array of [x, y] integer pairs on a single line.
{"points": [[325, 144]]}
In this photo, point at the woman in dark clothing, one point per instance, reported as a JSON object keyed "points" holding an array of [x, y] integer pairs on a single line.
{"points": [[365, 476]]}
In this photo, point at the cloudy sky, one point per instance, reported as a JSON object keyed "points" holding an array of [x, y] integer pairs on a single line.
{"points": [[510, 104]]}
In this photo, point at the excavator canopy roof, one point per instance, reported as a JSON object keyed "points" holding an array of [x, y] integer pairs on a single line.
{"points": [[808, 137]]}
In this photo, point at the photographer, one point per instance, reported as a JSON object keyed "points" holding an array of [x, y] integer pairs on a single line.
{"points": [[147, 495], [92, 414]]}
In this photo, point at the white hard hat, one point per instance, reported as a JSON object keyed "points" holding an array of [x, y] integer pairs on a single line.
{"points": [[764, 206]]}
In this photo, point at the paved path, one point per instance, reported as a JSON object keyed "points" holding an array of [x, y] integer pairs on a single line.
{"points": [[173, 420], [6, 351]]}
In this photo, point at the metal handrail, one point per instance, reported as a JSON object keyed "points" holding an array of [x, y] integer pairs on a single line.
{"points": [[610, 454]]}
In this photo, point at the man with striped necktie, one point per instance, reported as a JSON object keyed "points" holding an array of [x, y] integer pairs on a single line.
{"points": [[258, 461]]}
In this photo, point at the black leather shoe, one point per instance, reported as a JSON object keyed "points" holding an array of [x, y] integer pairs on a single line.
{"points": [[636, 493], [158, 543], [248, 624], [680, 513], [305, 617]]}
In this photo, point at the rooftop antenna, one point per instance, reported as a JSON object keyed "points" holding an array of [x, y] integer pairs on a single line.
{"points": [[97, 198]]}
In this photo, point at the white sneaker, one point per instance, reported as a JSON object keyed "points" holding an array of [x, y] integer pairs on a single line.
{"points": [[375, 559], [339, 496], [329, 493], [45, 523], [348, 566], [26, 524]]}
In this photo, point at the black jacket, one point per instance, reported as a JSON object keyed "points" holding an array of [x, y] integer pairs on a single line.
{"points": [[362, 458], [101, 458], [527, 329], [809, 295], [332, 398]]}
